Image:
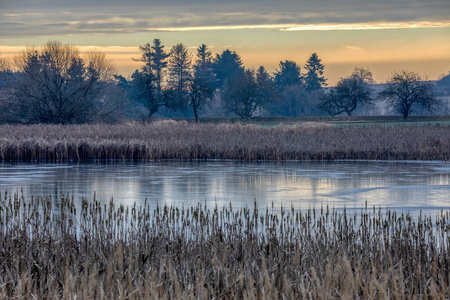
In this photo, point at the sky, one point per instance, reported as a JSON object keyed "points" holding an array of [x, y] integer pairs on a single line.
{"points": [[384, 36]]}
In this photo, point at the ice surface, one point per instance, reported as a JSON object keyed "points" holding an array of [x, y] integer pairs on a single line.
{"points": [[403, 185]]}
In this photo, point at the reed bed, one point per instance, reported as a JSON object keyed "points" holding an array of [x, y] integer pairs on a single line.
{"points": [[187, 141], [56, 250]]}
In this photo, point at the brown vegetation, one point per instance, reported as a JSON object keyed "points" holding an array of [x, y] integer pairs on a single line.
{"points": [[96, 251], [182, 140]]}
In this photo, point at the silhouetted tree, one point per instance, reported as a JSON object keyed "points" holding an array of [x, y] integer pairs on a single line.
{"points": [[3, 64], [5, 89], [314, 79], [443, 85], [240, 94], [159, 62], [245, 93], [295, 101], [179, 72], [144, 90], [154, 58], [267, 90], [226, 66], [287, 74], [204, 56], [55, 84], [405, 91], [202, 84], [179, 68], [349, 93], [3, 72], [147, 81]]}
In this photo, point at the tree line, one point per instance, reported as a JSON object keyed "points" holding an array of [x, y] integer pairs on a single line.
{"points": [[179, 81], [57, 83]]}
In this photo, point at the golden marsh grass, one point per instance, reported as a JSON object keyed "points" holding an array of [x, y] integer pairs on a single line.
{"points": [[56, 250], [186, 141]]}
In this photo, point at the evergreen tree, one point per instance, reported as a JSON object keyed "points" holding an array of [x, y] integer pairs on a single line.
{"points": [[159, 61], [443, 85], [204, 56], [288, 74], [267, 90], [154, 58], [180, 76], [202, 83], [226, 66], [146, 82], [314, 79], [179, 67]]}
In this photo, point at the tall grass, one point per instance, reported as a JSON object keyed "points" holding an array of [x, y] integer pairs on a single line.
{"points": [[182, 140], [55, 250]]}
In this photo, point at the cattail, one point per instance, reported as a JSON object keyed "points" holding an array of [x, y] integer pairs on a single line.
{"points": [[220, 253], [181, 140]]}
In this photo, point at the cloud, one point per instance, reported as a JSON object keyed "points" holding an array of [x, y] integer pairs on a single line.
{"points": [[40, 25], [353, 48], [58, 17], [369, 26]]}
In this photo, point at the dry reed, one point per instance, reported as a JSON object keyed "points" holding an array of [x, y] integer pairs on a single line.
{"points": [[182, 140], [55, 250]]}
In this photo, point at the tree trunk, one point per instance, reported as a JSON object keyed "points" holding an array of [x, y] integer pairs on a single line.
{"points": [[405, 114], [151, 112], [195, 113]]}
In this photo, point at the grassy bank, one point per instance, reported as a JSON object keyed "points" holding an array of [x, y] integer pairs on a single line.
{"points": [[58, 251], [335, 120], [182, 140]]}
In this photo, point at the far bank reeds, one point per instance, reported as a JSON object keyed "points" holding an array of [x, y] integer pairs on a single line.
{"points": [[55, 250], [182, 140]]}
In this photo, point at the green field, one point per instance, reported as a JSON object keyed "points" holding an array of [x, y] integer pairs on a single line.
{"points": [[336, 121]]}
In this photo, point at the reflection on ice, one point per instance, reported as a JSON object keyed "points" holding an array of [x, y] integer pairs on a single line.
{"points": [[405, 185]]}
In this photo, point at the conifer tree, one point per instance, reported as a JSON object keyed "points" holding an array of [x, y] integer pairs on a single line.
{"points": [[314, 79], [287, 74], [226, 66], [202, 84]]}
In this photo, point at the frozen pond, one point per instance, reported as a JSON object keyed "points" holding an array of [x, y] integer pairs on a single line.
{"points": [[404, 186]]}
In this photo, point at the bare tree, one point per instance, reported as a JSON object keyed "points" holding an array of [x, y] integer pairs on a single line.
{"points": [[348, 94], [240, 94], [4, 69], [56, 84], [5, 89], [247, 93], [405, 91]]}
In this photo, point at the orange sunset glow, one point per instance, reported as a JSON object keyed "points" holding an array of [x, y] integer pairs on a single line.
{"points": [[345, 34]]}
